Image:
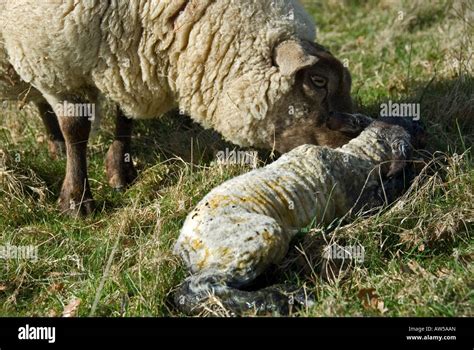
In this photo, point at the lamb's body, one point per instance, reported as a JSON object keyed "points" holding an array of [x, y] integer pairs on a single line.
{"points": [[246, 224]]}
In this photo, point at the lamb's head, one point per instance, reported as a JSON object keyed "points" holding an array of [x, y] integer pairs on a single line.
{"points": [[320, 86]]}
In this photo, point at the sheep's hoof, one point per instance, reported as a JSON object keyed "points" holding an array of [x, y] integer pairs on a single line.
{"points": [[119, 167], [57, 149], [76, 206]]}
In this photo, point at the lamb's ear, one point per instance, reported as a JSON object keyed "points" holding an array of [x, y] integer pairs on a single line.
{"points": [[291, 56]]}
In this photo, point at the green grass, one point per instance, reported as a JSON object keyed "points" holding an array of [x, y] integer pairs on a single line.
{"points": [[418, 253]]}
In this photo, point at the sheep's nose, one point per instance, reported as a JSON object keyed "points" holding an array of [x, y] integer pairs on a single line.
{"points": [[337, 119], [351, 124], [336, 114]]}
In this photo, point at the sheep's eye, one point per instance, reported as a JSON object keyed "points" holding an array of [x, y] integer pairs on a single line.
{"points": [[318, 81]]}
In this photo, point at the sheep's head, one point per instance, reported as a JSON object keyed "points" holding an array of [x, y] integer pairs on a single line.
{"points": [[320, 85]]}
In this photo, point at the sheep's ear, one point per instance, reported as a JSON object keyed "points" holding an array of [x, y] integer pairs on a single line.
{"points": [[291, 56]]}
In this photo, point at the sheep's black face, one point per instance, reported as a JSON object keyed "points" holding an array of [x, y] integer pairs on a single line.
{"points": [[321, 86]]}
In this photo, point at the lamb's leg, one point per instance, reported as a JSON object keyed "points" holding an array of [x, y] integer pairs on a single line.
{"points": [[56, 144], [192, 295], [386, 192], [118, 164], [228, 254]]}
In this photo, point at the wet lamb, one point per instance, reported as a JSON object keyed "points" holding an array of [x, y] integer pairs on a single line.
{"points": [[246, 224]]}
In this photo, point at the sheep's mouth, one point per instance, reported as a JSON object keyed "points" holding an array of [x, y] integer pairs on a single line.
{"points": [[347, 123]]}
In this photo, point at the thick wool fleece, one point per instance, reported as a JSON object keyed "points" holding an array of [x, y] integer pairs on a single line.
{"points": [[246, 224], [213, 56], [11, 85]]}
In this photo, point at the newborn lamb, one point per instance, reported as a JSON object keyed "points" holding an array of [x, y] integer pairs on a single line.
{"points": [[246, 224]]}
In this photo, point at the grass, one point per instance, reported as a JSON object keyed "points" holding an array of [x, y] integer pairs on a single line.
{"points": [[418, 252]]}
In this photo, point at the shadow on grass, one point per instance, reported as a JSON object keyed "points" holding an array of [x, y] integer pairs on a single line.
{"points": [[447, 111], [175, 135]]}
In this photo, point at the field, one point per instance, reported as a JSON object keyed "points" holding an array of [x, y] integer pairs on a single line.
{"points": [[418, 252]]}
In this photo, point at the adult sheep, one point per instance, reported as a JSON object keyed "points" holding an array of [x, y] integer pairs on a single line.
{"points": [[12, 88], [248, 69]]}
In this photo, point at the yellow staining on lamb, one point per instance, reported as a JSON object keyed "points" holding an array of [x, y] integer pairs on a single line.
{"points": [[267, 236], [276, 206], [256, 201], [202, 263], [224, 251], [237, 220], [286, 199], [249, 202], [244, 264], [261, 197], [225, 256], [218, 201], [276, 188], [196, 244]]}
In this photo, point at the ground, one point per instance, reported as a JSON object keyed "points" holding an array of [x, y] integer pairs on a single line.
{"points": [[418, 253]]}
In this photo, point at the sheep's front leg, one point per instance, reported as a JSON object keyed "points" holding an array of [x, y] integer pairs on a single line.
{"points": [[76, 197], [118, 164], [56, 143]]}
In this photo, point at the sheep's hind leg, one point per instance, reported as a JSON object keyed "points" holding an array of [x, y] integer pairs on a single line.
{"points": [[192, 295], [56, 143], [118, 164]]}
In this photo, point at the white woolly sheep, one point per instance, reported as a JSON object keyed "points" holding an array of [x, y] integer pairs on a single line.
{"points": [[12, 88], [248, 69]]}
